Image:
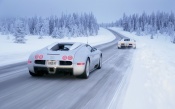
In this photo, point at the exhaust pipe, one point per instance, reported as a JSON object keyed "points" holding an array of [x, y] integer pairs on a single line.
{"points": [[52, 70]]}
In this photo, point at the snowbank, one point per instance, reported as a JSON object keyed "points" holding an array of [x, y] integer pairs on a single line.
{"points": [[12, 52], [152, 84]]}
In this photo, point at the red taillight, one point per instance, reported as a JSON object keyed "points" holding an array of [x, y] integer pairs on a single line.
{"points": [[67, 57], [29, 62], [40, 57], [70, 57], [64, 57], [80, 63]]}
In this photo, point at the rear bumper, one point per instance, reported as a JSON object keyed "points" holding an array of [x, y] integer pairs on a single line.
{"points": [[51, 70], [126, 45], [74, 69]]}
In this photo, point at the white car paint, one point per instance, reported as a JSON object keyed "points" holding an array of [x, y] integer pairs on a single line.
{"points": [[126, 42], [69, 56]]}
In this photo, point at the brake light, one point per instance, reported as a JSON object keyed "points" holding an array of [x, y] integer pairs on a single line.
{"points": [[70, 57], [38, 57], [64, 57], [80, 63], [67, 57], [29, 61]]}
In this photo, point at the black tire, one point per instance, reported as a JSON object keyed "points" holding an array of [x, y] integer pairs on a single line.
{"points": [[35, 74], [100, 63], [86, 72]]}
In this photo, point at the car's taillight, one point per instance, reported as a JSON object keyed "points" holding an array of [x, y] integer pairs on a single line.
{"points": [[70, 57], [38, 57], [80, 63], [64, 58], [29, 61], [67, 57]]}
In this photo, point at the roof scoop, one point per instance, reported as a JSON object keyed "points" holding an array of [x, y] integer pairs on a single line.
{"points": [[63, 46]]}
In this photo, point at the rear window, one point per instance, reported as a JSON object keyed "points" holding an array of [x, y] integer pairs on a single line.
{"points": [[61, 47], [126, 39]]}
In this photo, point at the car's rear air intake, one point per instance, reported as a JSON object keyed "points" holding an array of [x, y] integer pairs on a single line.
{"points": [[65, 62], [40, 62]]}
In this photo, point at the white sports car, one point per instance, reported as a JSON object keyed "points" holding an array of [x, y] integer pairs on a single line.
{"points": [[77, 58], [126, 42]]}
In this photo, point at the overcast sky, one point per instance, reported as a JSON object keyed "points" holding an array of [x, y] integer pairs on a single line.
{"points": [[104, 10]]}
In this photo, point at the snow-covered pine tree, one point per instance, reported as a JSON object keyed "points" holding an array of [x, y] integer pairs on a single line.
{"points": [[55, 33], [66, 32], [51, 25], [125, 22], [27, 30], [32, 22], [4, 26], [138, 31], [152, 31], [41, 33], [19, 32], [60, 33], [3, 30], [44, 28], [170, 29]]}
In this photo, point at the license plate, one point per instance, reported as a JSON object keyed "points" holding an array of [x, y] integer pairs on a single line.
{"points": [[52, 63]]}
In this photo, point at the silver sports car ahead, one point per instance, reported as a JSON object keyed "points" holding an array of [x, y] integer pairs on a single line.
{"points": [[126, 42], [77, 58]]}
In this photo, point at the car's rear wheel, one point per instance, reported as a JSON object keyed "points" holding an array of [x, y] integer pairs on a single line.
{"points": [[86, 72], [35, 74], [100, 63]]}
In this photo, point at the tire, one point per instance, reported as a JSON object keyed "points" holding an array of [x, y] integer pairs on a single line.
{"points": [[86, 72], [35, 74], [100, 63]]}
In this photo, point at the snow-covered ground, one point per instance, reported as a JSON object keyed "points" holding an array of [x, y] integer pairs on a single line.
{"points": [[13, 52], [152, 82]]}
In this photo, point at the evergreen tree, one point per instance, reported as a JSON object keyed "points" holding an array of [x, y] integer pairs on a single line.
{"points": [[55, 33], [60, 33], [19, 32]]}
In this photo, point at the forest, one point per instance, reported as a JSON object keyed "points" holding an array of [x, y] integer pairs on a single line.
{"points": [[144, 24], [68, 25], [83, 25]]}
